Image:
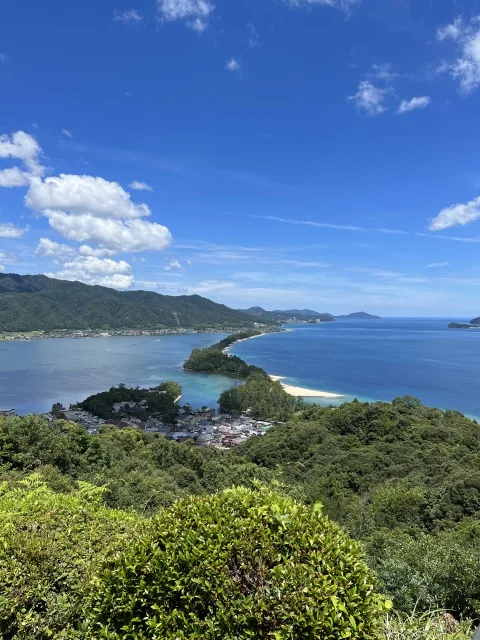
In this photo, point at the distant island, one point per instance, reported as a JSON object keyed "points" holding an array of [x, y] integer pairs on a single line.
{"points": [[36, 303], [303, 316], [358, 315], [287, 316], [473, 324]]}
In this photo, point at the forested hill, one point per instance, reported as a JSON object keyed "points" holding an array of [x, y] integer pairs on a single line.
{"points": [[36, 303]]}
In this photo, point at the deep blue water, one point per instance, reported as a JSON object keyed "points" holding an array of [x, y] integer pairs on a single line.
{"points": [[34, 375], [368, 360], [377, 360]]}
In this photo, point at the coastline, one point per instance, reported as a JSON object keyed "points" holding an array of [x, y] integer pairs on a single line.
{"points": [[305, 393], [299, 392], [30, 336]]}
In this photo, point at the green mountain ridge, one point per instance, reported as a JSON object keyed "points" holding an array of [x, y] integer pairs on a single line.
{"points": [[280, 316], [277, 315], [39, 303]]}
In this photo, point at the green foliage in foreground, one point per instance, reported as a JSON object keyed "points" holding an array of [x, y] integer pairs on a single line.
{"points": [[50, 546], [401, 478], [241, 564]]}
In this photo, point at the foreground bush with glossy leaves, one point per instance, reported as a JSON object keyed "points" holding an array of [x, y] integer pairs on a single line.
{"points": [[241, 564]]}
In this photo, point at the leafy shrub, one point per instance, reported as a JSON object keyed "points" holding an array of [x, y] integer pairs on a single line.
{"points": [[241, 564], [438, 571], [49, 546]]}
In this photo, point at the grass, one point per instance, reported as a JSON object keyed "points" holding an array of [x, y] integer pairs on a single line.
{"points": [[437, 625]]}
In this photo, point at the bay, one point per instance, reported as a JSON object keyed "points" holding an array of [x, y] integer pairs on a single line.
{"points": [[35, 374], [376, 360]]}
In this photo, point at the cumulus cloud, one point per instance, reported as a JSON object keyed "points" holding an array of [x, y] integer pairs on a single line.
{"points": [[457, 214], [466, 67], [232, 65], [14, 177], [419, 102], [20, 146], [67, 133], [9, 230], [50, 249], [369, 98], [140, 186], [127, 236], [174, 264], [91, 270], [91, 209], [97, 252], [75, 194], [195, 13], [128, 16]]}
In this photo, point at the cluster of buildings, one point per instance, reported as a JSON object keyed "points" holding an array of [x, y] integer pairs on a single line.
{"points": [[202, 426]]}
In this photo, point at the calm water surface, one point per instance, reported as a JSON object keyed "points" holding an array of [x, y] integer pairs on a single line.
{"points": [[34, 375], [369, 360], [377, 360]]}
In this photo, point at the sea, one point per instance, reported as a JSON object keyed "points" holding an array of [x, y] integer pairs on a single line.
{"points": [[376, 360], [365, 359]]}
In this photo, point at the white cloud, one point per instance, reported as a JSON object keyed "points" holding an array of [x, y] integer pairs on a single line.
{"points": [[459, 213], [9, 230], [419, 102], [14, 177], [89, 209], [67, 133], [370, 98], [466, 67], [195, 13], [343, 5], [91, 270], [174, 264], [233, 65], [20, 146], [128, 16], [97, 252], [77, 194], [50, 249], [140, 186], [453, 31], [435, 265], [127, 236]]}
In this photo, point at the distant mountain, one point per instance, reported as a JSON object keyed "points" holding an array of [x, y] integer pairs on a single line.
{"points": [[36, 303], [359, 315], [261, 315], [475, 321]]}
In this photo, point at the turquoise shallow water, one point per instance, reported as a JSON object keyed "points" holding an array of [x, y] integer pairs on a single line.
{"points": [[369, 360], [34, 375], [377, 360]]}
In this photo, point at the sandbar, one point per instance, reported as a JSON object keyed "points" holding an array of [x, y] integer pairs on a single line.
{"points": [[305, 393]]}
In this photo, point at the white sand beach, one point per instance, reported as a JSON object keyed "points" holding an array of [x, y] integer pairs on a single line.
{"points": [[305, 393]]}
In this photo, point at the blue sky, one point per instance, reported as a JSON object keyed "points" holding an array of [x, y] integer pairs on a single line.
{"points": [[282, 153]]}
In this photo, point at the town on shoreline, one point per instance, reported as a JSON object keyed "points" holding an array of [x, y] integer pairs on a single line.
{"points": [[108, 333]]}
